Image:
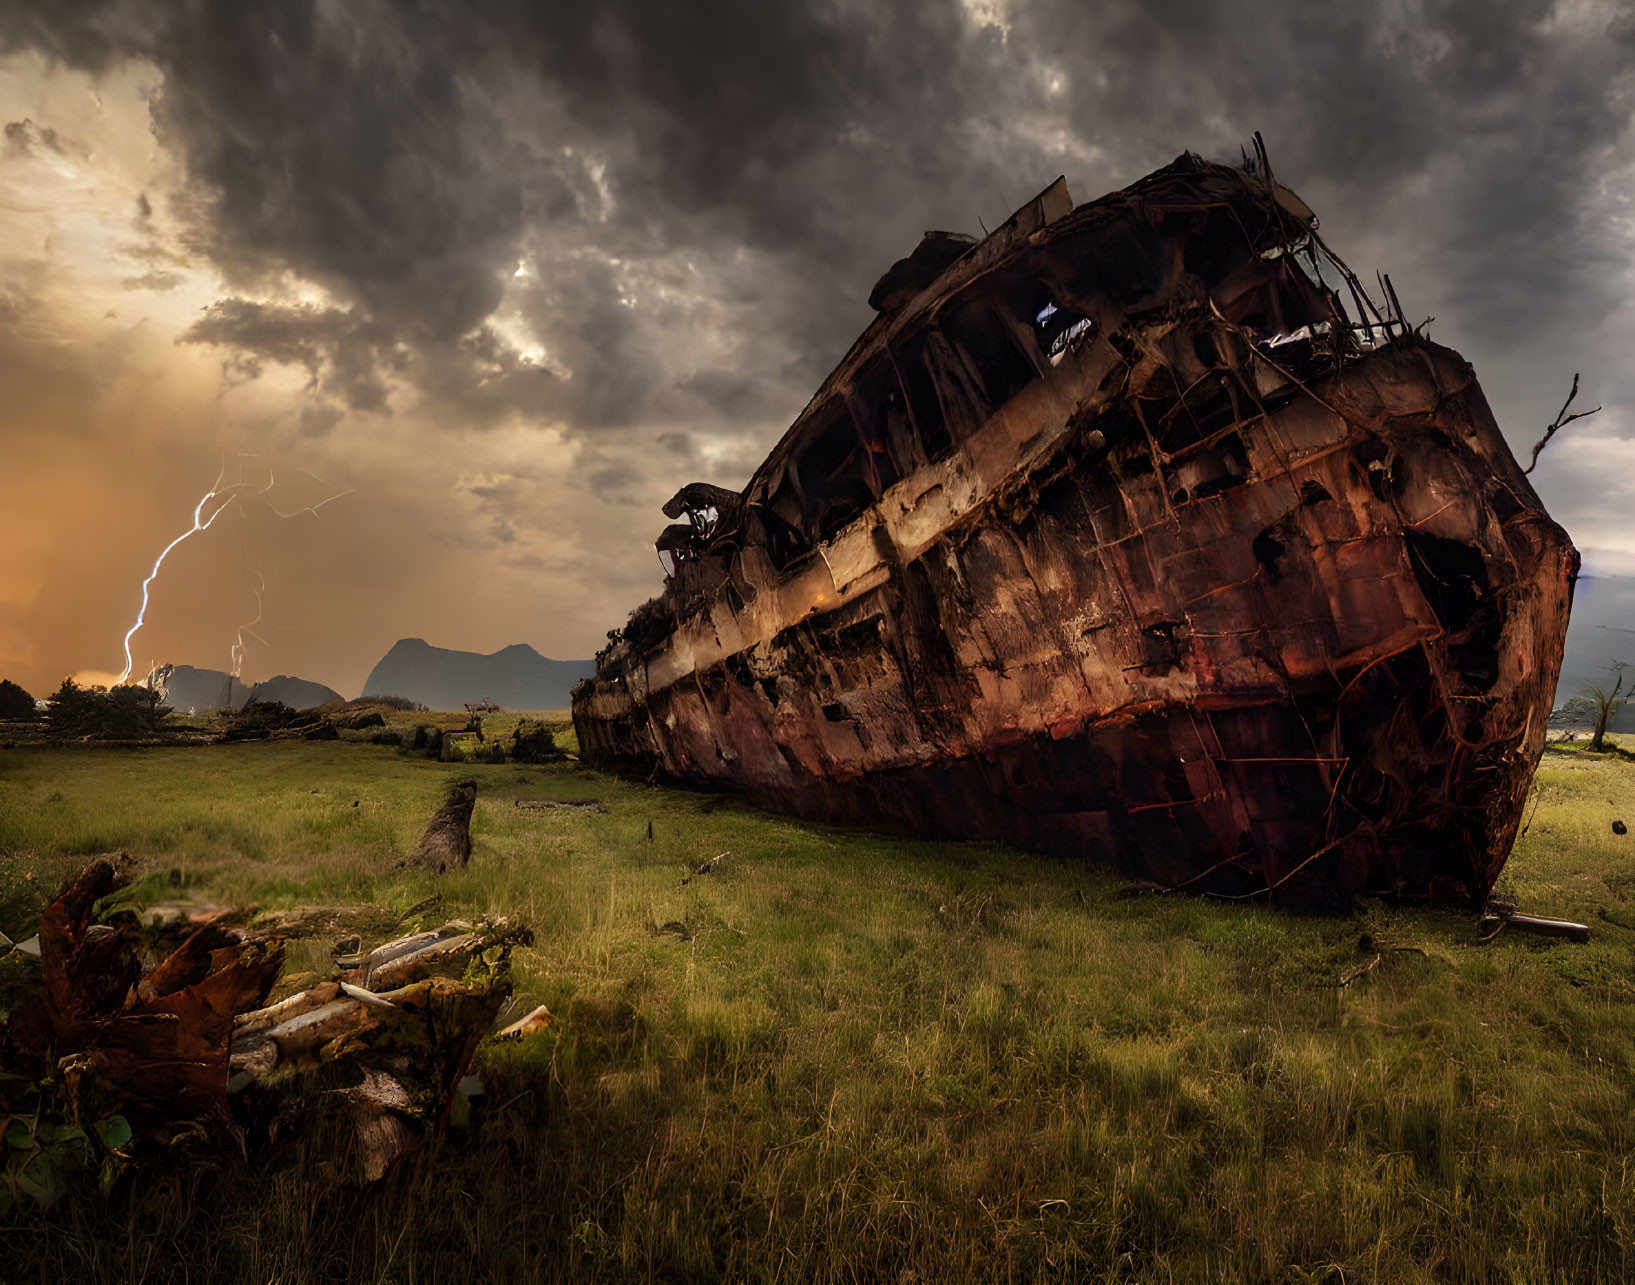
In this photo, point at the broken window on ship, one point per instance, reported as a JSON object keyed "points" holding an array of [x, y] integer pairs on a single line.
{"points": [[1002, 368], [880, 410], [838, 474], [1055, 328], [909, 356], [1053, 323]]}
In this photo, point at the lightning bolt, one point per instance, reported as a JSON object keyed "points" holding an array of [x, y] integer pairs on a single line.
{"points": [[310, 508], [249, 626], [217, 500], [228, 495]]}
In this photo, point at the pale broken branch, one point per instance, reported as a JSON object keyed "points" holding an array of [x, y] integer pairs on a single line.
{"points": [[1501, 915], [1562, 419], [538, 1020], [1359, 971], [704, 869]]}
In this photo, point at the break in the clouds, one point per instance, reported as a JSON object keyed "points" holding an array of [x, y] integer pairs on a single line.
{"points": [[515, 270]]}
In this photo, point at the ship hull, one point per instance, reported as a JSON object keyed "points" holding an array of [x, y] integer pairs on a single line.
{"points": [[1327, 677]]}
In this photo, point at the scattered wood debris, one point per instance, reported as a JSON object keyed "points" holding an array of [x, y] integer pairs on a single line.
{"points": [[560, 805], [276, 721], [191, 1048]]}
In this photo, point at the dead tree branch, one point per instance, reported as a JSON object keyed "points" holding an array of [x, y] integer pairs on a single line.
{"points": [[704, 869], [1357, 972], [1562, 419]]}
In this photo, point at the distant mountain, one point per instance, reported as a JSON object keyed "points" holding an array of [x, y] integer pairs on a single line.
{"points": [[197, 691], [515, 677], [297, 693]]}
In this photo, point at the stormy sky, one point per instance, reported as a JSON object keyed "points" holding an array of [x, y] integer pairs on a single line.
{"points": [[507, 274]]}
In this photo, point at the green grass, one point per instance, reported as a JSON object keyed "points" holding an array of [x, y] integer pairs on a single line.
{"points": [[841, 1057]]}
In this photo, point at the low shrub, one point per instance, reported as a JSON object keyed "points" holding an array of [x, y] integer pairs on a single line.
{"points": [[15, 703], [114, 714]]}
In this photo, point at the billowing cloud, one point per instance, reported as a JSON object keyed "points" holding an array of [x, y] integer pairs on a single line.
{"points": [[516, 271]]}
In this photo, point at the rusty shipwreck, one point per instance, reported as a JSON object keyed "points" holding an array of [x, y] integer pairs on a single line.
{"points": [[1137, 530]]}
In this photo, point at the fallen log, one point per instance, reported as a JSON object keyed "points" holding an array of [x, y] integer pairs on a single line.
{"points": [[435, 956], [273, 1014], [365, 964]]}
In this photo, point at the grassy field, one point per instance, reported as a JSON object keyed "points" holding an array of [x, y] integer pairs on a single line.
{"points": [[840, 1057]]}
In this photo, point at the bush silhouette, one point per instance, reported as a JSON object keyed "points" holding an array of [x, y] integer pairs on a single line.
{"points": [[117, 714], [14, 701]]}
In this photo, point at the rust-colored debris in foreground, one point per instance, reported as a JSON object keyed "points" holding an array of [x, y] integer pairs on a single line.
{"points": [[1137, 530], [189, 1046]]}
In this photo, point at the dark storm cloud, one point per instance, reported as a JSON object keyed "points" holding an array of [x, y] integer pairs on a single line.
{"points": [[380, 151], [24, 136], [406, 157], [345, 354]]}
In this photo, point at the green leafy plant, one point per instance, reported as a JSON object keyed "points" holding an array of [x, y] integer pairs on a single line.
{"points": [[47, 1157]]}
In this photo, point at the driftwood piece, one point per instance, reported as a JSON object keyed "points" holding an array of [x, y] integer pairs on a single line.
{"points": [[447, 840], [1549, 927], [443, 954], [273, 1014], [368, 960]]}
